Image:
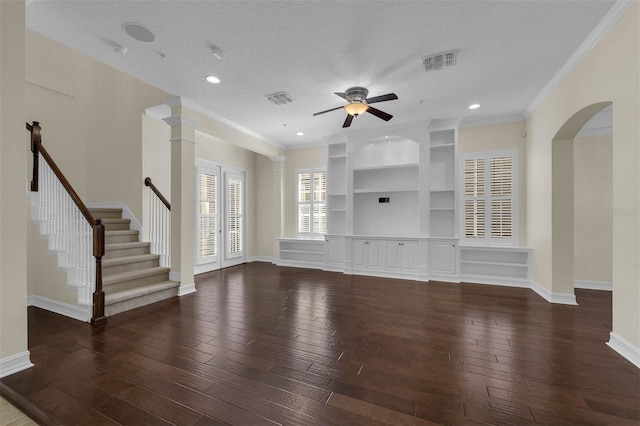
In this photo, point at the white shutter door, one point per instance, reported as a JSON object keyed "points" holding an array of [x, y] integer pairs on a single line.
{"points": [[208, 227], [234, 216], [474, 203], [501, 184]]}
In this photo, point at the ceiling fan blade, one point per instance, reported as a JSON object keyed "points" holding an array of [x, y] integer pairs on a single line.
{"points": [[380, 114], [342, 95], [329, 110], [382, 98], [347, 121]]}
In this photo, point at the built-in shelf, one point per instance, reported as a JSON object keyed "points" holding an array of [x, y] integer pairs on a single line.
{"points": [[393, 166], [337, 156], [442, 190], [383, 190], [506, 265], [337, 210], [442, 209], [444, 145], [301, 252]]}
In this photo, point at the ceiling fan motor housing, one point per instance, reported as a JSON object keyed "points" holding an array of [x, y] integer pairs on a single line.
{"points": [[357, 94]]}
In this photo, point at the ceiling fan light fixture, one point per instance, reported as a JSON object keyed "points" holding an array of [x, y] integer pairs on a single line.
{"points": [[356, 108]]}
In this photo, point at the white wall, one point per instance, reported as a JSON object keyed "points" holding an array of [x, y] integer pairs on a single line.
{"points": [[593, 208]]}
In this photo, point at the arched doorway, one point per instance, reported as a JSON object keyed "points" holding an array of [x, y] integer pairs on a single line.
{"points": [[563, 198]]}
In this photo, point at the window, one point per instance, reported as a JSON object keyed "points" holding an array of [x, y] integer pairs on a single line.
{"points": [[208, 216], [312, 207], [489, 197]]}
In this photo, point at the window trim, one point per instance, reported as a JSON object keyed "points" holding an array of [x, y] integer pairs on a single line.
{"points": [[311, 203], [488, 240]]}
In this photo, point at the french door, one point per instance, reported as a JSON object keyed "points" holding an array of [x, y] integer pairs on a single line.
{"points": [[220, 221]]}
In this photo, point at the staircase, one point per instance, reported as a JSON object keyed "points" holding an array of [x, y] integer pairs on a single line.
{"points": [[131, 275]]}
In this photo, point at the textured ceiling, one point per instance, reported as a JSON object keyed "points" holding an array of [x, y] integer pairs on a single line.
{"points": [[507, 52]]}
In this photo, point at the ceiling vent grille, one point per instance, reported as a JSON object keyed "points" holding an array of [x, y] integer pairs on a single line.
{"points": [[439, 61], [279, 98]]}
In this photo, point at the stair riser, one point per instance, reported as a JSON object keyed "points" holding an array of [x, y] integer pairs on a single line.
{"points": [[124, 252], [140, 301], [138, 282], [106, 214], [117, 226], [117, 239], [127, 267]]}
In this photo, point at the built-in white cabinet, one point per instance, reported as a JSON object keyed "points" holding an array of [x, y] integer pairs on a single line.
{"points": [[334, 253], [402, 256], [304, 253], [443, 259], [367, 254], [442, 167]]}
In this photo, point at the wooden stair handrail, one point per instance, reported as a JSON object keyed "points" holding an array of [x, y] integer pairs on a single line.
{"points": [[147, 182], [98, 316]]}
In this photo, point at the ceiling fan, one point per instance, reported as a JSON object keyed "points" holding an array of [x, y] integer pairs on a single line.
{"points": [[359, 103]]}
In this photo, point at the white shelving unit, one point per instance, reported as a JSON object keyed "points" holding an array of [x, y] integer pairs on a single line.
{"points": [[337, 189], [304, 253], [442, 183], [496, 265]]}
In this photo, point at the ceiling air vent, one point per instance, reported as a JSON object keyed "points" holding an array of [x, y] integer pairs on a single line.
{"points": [[439, 61], [279, 98]]}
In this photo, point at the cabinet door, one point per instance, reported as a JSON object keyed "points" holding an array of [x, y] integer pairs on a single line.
{"points": [[358, 255], [409, 256], [334, 251], [393, 255], [442, 259], [373, 252]]}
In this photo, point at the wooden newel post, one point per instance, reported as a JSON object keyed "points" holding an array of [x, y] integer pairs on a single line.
{"points": [[36, 140], [98, 295]]}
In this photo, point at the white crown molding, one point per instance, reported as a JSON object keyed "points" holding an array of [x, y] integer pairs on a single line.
{"points": [[624, 348], [608, 21], [180, 120], [477, 122], [77, 312], [15, 363], [181, 139], [158, 112], [593, 285], [558, 298], [278, 159]]}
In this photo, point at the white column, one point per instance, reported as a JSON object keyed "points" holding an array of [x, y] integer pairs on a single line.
{"points": [[182, 196], [278, 201]]}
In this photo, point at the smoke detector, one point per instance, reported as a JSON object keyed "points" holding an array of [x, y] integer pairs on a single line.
{"points": [[439, 61]]}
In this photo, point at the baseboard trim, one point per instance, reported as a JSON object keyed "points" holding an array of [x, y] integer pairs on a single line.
{"points": [[15, 363], [77, 312], [593, 285], [624, 349], [558, 298], [183, 290], [499, 281]]}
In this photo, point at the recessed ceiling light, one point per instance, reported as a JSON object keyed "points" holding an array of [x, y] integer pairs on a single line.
{"points": [[474, 106], [300, 134], [213, 79], [138, 32]]}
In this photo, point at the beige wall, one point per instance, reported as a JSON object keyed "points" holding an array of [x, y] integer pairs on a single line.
{"points": [[595, 80], [265, 234], [13, 203], [304, 158], [593, 184], [498, 137], [92, 125]]}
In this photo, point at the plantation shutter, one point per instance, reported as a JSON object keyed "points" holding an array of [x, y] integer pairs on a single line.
{"points": [[312, 208], [488, 197], [208, 212], [501, 178], [234, 215], [474, 203]]}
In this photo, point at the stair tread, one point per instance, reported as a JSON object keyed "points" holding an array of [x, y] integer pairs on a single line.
{"points": [[119, 296], [113, 220], [126, 245], [121, 232], [132, 275], [104, 209], [129, 259]]}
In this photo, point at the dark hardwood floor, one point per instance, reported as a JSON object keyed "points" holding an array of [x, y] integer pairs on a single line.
{"points": [[260, 344]]}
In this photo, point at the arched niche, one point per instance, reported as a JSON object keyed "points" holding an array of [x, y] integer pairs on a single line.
{"points": [[385, 151]]}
